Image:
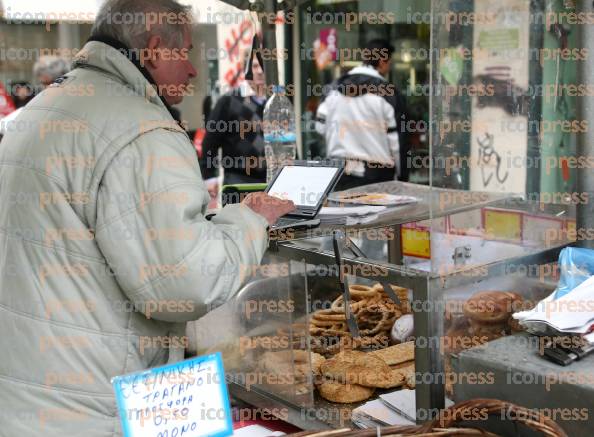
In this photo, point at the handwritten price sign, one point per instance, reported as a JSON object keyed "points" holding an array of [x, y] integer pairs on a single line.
{"points": [[188, 399]]}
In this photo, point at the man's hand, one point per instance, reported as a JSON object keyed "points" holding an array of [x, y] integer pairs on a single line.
{"points": [[212, 185], [271, 208]]}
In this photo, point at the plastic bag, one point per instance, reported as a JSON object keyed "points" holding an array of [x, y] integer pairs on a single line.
{"points": [[575, 265]]}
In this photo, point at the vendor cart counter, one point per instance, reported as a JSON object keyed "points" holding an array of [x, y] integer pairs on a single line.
{"points": [[429, 285], [522, 376], [493, 264]]}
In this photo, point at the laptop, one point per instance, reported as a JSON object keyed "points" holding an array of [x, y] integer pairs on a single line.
{"points": [[307, 184]]}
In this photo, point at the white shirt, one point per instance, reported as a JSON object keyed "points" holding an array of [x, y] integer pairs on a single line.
{"points": [[361, 127]]}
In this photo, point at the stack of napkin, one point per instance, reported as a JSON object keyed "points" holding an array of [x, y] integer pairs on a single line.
{"points": [[350, 215]]}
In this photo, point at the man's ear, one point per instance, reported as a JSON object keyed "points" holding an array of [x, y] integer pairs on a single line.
{"points": [[153, 60]]}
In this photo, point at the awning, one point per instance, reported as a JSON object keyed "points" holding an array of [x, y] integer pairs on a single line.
{"points": [[34, 11], [84, 11]]}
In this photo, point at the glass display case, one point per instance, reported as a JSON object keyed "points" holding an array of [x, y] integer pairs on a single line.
{"points": [[436, 254]]}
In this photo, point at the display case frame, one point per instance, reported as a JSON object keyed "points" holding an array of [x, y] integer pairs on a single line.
{"points": [[426, 286]]}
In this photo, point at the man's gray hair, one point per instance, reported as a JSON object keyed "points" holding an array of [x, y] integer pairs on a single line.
{"points": [[133, 22]]}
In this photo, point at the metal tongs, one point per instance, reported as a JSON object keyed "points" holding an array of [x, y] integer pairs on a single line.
{"points": [[387, 288], [341, 242]]}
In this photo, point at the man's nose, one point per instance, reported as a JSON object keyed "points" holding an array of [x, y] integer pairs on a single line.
{"points": [[193, 72]]}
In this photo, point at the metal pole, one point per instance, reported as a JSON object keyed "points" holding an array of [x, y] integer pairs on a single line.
{"points": [[269, 42], [299, 119], [395, 246], [427, 297], [585, 111]]}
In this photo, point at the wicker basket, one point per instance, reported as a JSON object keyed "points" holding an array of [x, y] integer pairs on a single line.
{"points": [[445, 425]]}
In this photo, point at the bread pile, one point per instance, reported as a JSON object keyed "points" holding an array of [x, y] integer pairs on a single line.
{"points": [[295, 369], [487, 316], [348, 375], [353, 376], [374, 311], [490, 313]]}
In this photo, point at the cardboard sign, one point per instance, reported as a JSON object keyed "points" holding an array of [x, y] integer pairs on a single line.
{"points": [[499, 137], [502, 224], [416, 242], [188, 399]]}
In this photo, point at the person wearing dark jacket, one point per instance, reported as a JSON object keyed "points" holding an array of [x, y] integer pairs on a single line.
{"points": [[235, 126], [359, 118]]}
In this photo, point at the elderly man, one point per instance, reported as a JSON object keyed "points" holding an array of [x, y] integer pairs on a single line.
{"points": [[106, 252]]}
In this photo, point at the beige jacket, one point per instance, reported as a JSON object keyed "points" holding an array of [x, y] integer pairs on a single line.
{"points": [[103, 215]]}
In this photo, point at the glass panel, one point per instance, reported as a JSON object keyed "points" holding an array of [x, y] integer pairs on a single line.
{"points": [[405, 24], [496, 117], [262, 334]]}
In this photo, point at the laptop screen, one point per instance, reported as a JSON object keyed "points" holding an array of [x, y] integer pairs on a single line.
{"points": [[305, 186]]}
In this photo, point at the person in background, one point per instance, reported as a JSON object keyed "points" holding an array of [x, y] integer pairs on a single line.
{"points": [[48, 68], [212, 183], [358, 119], [207, 107], [45, 71], [243, 151], [22, 92], [7, 105]]}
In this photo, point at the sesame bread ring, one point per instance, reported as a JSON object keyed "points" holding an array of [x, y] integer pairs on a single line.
{"points": [[323, 323], [328, 315], [362, 291], [344, 393], [353, 367], [338, 306]]}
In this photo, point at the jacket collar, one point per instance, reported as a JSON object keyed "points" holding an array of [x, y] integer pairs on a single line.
{"points": [[114, 57], [367, 70]]}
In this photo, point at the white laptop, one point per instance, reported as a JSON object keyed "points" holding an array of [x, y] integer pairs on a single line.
{"points": [[307, 184]]}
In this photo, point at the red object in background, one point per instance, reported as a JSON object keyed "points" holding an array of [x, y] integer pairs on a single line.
{"points": [[329, 39], [272, 425], [565, 169], [246, 417], [6, 103], [198, 139]]}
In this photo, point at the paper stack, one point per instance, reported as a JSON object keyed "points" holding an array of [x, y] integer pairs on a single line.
{"points": [[255, 430], [402, 402], [377, 413], [573, 313], [395, 408], [350, 215]]}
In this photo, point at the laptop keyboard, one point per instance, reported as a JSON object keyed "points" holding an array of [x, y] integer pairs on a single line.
{"points": [[284, 221]]}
